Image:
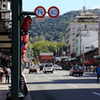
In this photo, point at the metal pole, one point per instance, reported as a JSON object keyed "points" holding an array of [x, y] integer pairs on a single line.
{"points": [[16, 60], [83, 56], [80, 45], [99, 38]]}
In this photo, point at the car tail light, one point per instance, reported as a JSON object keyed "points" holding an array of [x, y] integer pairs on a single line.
{"points": [[73, 70], [82, 70]]}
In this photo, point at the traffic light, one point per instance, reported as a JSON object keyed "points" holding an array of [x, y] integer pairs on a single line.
{"points": [[86, 47]]}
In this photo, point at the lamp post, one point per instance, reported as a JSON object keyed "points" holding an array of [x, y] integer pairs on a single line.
{"points": [[99, 37], [80, 43]]}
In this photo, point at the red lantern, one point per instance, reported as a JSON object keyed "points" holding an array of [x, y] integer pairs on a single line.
{"points": [[23, 51], [25, 47], [23, 55], [25, 38], [26, 23]]}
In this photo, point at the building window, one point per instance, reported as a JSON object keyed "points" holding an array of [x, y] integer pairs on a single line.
{"points": [[73, 38], [73, 44], [73, 33], [97, 27], [73, 26], [79, 26], [76, 41], [73, 50], [91, 27], [76, 49]]}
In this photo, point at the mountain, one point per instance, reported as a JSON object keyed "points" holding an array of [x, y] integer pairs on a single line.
{"points": [[53, 29]]}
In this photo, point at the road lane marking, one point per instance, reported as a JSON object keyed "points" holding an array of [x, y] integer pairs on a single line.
{"points": [[73, 85], [61, 77], [47, 76], [96, 93], [36, 78]]}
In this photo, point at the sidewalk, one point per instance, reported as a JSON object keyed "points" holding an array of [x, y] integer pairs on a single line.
{"points": [[4, 89]]}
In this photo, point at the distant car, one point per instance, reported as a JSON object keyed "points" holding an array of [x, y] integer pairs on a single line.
{"points": [[76, 70], [33, 69], [57, 67], [48, 68]]}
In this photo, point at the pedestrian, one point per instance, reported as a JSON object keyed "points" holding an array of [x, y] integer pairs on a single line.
{"points": [[1, 74], [92, 68], [8, 74], [23, 90], [23, 87], [98, 74]]}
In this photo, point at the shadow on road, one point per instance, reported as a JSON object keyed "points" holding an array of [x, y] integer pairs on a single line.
{"points": [[65, 94]]}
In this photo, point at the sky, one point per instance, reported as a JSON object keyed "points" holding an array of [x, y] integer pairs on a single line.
{"points": [[63, 5]]}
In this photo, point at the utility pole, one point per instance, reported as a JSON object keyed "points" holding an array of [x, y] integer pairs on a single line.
{"points": [[83, 56], [99, 37], [16, 52], [80, 46]]}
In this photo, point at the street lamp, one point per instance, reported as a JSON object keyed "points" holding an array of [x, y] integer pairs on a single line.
{"points": [[79, 33]]}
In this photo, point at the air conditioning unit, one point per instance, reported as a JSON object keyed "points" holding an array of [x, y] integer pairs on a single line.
{"points": [[3, 4]]}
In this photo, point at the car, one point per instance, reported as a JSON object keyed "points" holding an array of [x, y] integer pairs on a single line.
{"points": [[57, 67], [76, 70], [33, 69], [48, 68]]}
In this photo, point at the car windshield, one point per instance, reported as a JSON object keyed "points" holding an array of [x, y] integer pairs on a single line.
{"points": [[77, 67], [58, 66], [48, 65]]}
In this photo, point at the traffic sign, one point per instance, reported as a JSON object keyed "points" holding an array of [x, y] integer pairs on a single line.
{"points": [[53, 12], [40, 11]]}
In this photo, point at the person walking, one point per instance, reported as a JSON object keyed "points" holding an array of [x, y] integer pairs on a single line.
{"points": [[8, 74], [1, 74], [92, 68], [98, 74]]}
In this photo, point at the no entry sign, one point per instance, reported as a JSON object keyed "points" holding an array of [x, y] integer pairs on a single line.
{"points": [[53, 12], [40, 11]]}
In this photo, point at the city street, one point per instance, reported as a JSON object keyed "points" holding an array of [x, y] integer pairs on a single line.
{"points": [[61, 86]]}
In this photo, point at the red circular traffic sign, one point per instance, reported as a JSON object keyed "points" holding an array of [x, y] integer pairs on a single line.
{"points": [[53, 12], [40, 11]]}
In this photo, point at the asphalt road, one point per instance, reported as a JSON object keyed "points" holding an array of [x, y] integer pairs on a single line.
{"points": [[61, 86]]}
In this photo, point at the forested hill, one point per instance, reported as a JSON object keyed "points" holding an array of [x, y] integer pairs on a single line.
{"points": [[53, 29]]}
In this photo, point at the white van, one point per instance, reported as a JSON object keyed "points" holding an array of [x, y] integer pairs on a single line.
{"points": [[48, 67]]}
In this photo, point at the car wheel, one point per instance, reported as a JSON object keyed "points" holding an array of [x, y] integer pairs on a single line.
{"points": [[81, 74], [29, 72], [72, 74], [52, 72]]}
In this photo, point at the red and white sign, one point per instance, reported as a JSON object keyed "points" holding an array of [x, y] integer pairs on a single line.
{"points": [[53, 12], [40, 11]]}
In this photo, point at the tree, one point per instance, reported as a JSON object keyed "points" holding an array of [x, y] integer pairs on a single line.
{"points": [[46, 46]]}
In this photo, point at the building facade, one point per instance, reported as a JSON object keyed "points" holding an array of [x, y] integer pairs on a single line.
{"points": [[82, 33]]}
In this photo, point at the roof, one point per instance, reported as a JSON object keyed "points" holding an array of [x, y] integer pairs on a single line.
{"points": [[46, 53]]}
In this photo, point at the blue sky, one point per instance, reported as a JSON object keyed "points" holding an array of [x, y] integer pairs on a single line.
{"points": [[63, 5]]}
